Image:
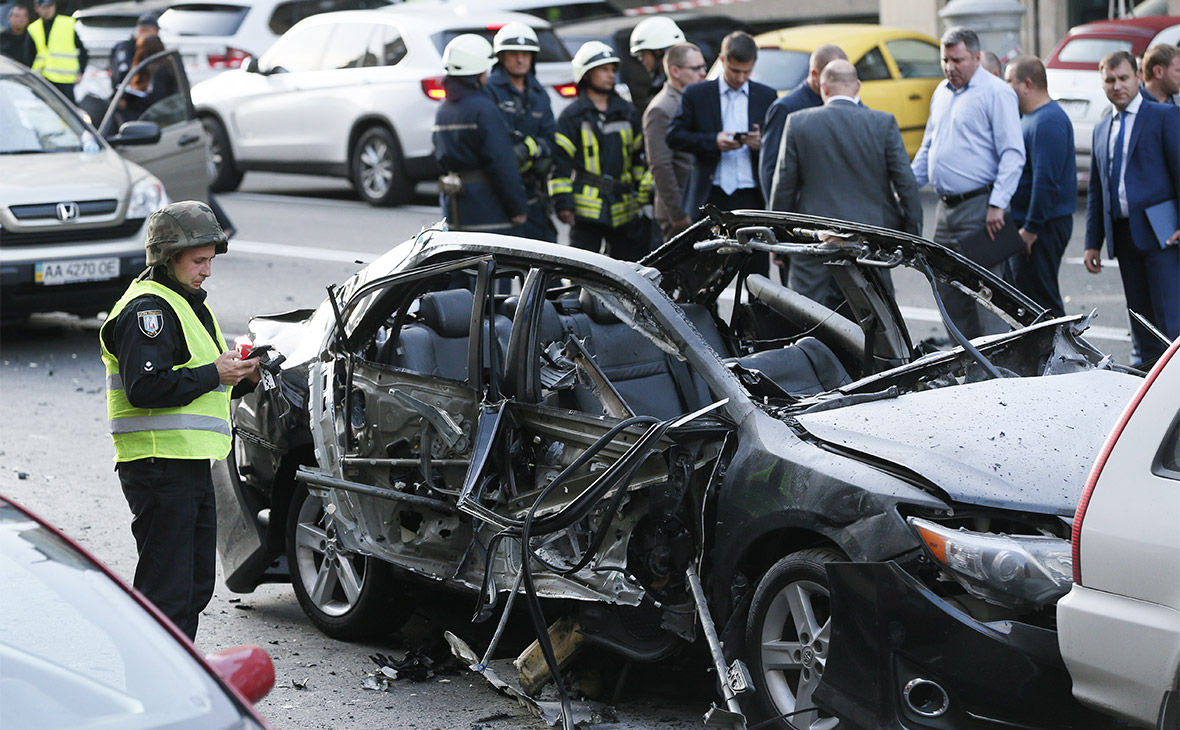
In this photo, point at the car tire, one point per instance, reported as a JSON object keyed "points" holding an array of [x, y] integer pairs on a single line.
{"points": [[787, 644], [378, 169], [224, 177], [317, 565]]}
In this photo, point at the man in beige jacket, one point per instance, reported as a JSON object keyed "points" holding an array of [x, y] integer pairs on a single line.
{"points": [[683, 65]]}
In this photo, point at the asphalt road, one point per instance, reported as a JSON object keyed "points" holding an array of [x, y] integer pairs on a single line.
{"points": [[295, 236]]}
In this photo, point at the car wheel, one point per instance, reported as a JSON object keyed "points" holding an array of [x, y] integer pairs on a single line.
{"points": [[346, 596], [787, 639], [378, 171], [224, 177]]}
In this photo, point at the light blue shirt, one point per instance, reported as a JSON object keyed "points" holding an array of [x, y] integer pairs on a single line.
{"points": [[735, 170], [972, 140], [1132, 113]]}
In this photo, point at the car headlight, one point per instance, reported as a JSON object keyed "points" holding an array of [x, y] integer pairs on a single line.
{"points": [[147, 196], [1009, 570]]}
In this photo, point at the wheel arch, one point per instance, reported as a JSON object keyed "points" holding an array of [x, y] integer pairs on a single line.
{"points": [[364, 124], [205, 111]]}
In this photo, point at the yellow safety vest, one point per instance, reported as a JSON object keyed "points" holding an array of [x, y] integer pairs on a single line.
{"points": [[57, 57], [199, 430]]}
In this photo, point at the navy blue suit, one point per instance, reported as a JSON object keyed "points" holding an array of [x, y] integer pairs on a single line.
{"points": [[801, 97], [1151, 274], [694, 129]]}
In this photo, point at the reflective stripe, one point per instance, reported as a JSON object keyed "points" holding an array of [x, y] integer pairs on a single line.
{"points": [[590, 159], [566, 144], [173, 422], [488, 227], [115, 382], [559, 185]]}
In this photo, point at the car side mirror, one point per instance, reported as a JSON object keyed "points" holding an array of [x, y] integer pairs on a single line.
{"points": [[136, 133], [251, 65]]}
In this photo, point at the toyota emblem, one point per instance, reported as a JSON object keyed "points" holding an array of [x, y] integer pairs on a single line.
{"points": [[67, 211]]}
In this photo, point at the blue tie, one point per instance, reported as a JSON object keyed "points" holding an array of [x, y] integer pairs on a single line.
{"points": [[1116, 168]]}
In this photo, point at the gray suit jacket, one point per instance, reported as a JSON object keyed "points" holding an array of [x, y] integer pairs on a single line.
{"points": [[669, 169], [845, 161]]}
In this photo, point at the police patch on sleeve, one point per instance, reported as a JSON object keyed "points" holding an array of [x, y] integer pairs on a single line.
{"points": [[151, 322]]}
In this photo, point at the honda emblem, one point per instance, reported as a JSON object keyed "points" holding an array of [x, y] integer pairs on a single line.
{"points": [[67, 211]]}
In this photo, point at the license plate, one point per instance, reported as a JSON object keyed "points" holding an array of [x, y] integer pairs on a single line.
{"points": [[52, 273], [1074, 108]]}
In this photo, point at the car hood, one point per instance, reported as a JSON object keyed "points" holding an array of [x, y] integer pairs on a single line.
{"points": [[68, 176], [1015, 443]]}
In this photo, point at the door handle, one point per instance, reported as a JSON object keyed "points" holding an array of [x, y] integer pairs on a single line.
{"points": [[188, 139], [915, 97]]}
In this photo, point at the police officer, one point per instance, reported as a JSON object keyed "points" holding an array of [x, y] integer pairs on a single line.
{"points": [[168, 381], [649, 41], [526, 109], [61, 57], [123, 52], [481, 188], [599, 163]]}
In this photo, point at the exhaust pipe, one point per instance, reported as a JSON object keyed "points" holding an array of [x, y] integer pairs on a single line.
{"points": [[926, 698]]}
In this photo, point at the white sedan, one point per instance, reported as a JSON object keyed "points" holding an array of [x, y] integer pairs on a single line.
{"points": [[353, 94], [1119, 626]]}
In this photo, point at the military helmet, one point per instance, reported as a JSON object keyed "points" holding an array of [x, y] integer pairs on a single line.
{"points": [[180, 226], [655, 34], [468, 55], [592, 54], [516, 36]]}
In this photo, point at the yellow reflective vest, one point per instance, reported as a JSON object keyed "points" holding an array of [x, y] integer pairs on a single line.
{"points": [[199, 430], [57, 56]]}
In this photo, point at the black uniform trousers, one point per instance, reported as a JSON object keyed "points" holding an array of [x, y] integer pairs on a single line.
{"points": [[628, 242], [174, 521]]}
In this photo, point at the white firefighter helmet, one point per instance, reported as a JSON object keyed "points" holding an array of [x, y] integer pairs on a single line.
{"points": [[468, 55], [516, 36], [592, 54], [655, 34]]}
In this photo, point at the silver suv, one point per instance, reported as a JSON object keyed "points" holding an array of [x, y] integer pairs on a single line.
{"points": [[72, 208]]}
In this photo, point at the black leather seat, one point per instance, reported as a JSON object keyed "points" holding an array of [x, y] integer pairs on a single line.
{"points": [[437, 343], [804, 368]]}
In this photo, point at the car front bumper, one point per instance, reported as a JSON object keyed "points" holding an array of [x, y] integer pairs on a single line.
{"points": [[890, 633], [22, 294]]}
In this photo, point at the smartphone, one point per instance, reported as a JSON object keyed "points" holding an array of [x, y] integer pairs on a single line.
{"points": [[739, 136], [258, 351]]}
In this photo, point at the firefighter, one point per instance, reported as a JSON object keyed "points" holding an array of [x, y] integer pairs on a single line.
{"points": [[480, 189], [525, 106], [61, 57], [649, 41], [599, 162], [168, 392]]}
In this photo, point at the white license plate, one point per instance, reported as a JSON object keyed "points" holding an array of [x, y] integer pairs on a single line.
{"points": [[52, 273], [1074, 108]]}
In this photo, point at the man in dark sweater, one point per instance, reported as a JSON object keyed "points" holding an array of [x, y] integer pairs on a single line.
{"points": [[1046, 197], [16, 43]]}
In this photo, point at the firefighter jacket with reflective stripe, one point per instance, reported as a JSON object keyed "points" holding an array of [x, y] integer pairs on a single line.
{"points": [[57, 56], [471, 138], [599, 161], [529, 116], [198, 430]]}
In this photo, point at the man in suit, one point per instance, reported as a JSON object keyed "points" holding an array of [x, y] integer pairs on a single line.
{"points": [[718, 123], [684, 65], [1161, 73], [804, 96], [1136, 165], [843, 160]]}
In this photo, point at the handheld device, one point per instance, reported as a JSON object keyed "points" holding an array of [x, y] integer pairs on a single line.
{"points": [[257, 351], [740, 136]]}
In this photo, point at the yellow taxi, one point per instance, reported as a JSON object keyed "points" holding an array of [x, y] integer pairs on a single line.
{"points": [[898, 68]]}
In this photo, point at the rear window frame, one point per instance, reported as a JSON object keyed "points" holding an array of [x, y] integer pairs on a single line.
{"points": [[198, 10]]}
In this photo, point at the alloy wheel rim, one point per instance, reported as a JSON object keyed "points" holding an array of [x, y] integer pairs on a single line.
{"points": [[376, 168], [793, 647], [332, 577]]}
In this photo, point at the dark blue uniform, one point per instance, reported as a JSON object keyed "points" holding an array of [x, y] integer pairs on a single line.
{"points": [[530, 118], [471, 139]]}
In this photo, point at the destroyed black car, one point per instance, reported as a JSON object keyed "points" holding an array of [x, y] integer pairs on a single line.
{"points": [[866, 531]]}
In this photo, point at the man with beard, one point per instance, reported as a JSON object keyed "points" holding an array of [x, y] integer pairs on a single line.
{"points": [[524, 104]]}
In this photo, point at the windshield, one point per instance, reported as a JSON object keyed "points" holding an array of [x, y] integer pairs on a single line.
{"points": [[197, 20], [1091, 50], [34, 119], [76, 650]]}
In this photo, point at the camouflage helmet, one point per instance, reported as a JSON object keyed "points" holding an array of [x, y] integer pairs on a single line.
{"points": [[180, 226]]}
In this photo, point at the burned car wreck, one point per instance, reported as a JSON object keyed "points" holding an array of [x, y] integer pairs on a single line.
{"points": [[866, 532]]}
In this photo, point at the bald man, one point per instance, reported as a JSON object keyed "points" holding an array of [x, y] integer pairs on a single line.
{"points": [[804, 96], [843, 160]]}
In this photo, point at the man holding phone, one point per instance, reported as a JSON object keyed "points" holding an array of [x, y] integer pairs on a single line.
{"points": [[168, 392]]}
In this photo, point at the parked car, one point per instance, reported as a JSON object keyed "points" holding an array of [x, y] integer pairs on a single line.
{"points": [[1072, 71], [216, 35], [74, 201], [353, 95], [630, 433], [898, 68], [80, 648], [100, 28], [1119, 626]]}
